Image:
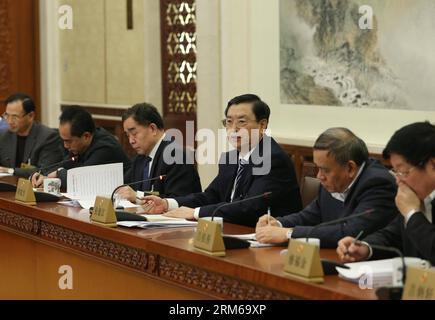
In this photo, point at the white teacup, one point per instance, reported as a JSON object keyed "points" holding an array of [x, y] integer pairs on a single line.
{"points": [[52, 185], [314, 241], [219, 220]]}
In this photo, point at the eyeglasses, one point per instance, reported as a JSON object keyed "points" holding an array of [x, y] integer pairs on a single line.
{"points": [[241, 123], [401, 174], [13, 117]]}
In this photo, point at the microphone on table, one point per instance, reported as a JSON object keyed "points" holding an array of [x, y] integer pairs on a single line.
{"points": [[11, 188], [231, 242], [160, 178], [53, 165], [344, 219], [125, 215], [329, 265], [393, 292]]}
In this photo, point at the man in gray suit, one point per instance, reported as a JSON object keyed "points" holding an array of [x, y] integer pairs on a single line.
{"points": [[26, 145]]}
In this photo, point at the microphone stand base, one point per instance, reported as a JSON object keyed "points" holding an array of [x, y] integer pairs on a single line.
{"points": [[210, 253], [311, 279], [389, 293], [108, 225]]}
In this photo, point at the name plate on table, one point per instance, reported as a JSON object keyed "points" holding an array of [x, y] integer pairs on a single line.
{"points": [[25, 192], [208, 238], [420, 284], [303, 261], [103, 212]]}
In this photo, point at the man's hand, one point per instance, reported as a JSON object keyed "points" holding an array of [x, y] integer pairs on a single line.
{"points": [[348, 251], [182, 212], [406, 199], [126, 193], [271, 234], [153, 204], [37, 180], [263, 221]]}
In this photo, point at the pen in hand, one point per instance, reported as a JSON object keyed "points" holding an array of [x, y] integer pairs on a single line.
{"points": [[268, 216], [356, 240]]}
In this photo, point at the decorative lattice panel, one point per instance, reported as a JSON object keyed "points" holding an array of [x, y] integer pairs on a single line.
{"points": [[179, 66]]}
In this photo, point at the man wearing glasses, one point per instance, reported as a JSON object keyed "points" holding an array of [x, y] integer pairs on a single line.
{"points": [[255, 166], [26, 145], [411, 151]]}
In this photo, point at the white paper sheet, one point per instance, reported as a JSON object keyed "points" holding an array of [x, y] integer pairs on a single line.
{"points": [[86, 183], [4, 174], [247, 236], [158, 224]]}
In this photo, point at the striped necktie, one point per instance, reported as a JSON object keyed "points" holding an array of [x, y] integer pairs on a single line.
{"points": [[238, 182]]}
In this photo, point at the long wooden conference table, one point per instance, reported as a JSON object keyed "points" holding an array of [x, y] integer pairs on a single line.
{"points": [[43, 247]]}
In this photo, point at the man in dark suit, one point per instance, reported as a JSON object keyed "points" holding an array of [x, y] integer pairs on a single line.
{"points": [[85, 144], [157, 155], [257, 165], [351, 183], [411, 151], [26, 145]]}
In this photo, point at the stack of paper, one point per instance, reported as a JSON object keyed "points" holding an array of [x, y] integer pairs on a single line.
{"points": [[158, 221], [378, 273], [86, 183]]}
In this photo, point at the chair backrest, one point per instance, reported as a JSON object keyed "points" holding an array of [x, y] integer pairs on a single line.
{"points": [[309, 189]]}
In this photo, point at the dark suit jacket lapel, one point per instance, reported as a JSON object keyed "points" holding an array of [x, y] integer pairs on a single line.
{"points": [[433, 211], [12, 151], [157, 157]]}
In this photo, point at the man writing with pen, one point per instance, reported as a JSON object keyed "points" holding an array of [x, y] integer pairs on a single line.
{"points": [[411, 151], [85, 143], [26, 145], [351, 184]]}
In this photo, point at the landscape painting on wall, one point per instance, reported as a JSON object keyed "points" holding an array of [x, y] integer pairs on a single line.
{"points": [[326, 59]]}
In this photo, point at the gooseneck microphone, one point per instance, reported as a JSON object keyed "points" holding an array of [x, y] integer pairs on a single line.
{"points": [[332, 222], [53, 165], [394, 292], [160, 178], [231, 242], [264, 195], [396, 251], [329, 265]]}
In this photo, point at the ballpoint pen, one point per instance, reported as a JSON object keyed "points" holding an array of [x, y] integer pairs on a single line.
{"points": [[356, 240], [268, 216]]}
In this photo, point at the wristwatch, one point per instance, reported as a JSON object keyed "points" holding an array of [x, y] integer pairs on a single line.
{"points": [[11, 170]]}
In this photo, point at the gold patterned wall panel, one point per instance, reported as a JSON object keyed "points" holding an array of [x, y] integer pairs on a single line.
{"points": [[82, 53], [6, 50], [125, 52]]}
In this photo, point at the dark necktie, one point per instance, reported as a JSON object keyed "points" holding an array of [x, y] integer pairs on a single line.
{"points": [[240, 177], [146, 175]]}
